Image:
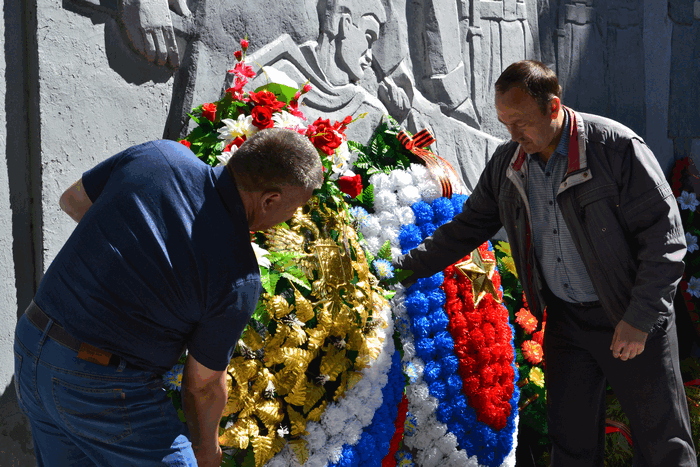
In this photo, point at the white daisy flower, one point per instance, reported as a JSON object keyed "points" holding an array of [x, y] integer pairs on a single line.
{"points": [[224, 157], [688, 201], [232, 129], [286, 120], [260, 255]]}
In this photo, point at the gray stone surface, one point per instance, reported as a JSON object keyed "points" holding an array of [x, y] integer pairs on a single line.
{"points": [[87, 78]]}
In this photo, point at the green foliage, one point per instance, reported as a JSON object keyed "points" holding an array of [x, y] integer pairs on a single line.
{"points": [[283, 92]]}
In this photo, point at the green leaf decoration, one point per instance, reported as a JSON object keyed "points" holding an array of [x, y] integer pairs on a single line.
{"points": [[297, 281], [283, 92], [385, 251]]}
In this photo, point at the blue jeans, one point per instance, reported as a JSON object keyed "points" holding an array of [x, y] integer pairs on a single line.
{"points": [[86, 414]]}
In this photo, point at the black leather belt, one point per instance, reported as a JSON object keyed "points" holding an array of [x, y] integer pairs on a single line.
{"points": [[85, 351]]}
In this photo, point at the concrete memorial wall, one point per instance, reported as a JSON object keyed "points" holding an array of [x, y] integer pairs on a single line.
{"points": [[87, 78]]}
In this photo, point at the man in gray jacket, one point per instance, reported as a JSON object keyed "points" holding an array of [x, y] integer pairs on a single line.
{"points": [[597, 240]]}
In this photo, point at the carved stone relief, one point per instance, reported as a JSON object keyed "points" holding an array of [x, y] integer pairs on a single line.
{"points": [[600, 60], [684, 116]]}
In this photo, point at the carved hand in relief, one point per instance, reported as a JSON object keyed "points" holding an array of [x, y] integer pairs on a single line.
{"points": [[149, 27]]}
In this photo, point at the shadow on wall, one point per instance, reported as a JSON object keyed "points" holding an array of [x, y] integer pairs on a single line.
{"points": [[16, 448]]}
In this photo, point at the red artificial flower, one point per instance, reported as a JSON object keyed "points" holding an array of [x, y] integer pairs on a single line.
{"points": [[526, 320], [244, 44], [185, 143], [324, 136], [238, 54], [532, 351], [267, 99], [209, 111], [236, 142], [306, 88], [243, 70], [482, 342], [293, 108], [350, 185], [262, 117], [236, 90]]}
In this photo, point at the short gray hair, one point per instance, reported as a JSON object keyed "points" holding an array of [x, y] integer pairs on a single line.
{"points": [[275, 157]]}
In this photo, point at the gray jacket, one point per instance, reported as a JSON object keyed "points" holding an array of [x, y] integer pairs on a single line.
{"points": [[617, 204]]}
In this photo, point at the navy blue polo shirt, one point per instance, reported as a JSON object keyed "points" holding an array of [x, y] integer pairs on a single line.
{"points": [[161, 261]]}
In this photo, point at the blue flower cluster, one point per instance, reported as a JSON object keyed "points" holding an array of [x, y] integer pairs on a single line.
{"points": [[374, 442], [434, 345]]}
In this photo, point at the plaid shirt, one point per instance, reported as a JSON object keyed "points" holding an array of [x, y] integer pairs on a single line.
{"points": [[561, 264]]}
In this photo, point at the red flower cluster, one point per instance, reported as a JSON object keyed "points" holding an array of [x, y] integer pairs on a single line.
{"points": [[482, 339], [325, 136], [350, 185], [399, 427]]}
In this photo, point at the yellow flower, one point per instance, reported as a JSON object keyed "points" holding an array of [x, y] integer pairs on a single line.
{"points": [[537, 376], [507, 260]]}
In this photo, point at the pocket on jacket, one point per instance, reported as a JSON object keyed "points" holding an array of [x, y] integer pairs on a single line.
{"points": [[99, 414]]}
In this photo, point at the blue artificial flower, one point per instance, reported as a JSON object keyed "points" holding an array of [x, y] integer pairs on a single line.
{"points": [[416, 304], [436, 298], [694, 287], [692, 242], [443, 209], [432, 371], [411, 372], [423, 212], [427, 229], [360, 214], [172, 379], [421, 327], [383, 268], [688, 201], [410, 425], [409, 237], [458, 202]]}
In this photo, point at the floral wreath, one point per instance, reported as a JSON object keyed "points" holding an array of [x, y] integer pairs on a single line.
{"points": [[316, 378]]}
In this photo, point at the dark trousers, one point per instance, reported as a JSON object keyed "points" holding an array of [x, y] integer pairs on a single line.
{"points": [[649, 387]]}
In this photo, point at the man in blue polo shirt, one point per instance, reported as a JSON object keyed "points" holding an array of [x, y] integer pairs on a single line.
{"points": [[160, 261]]}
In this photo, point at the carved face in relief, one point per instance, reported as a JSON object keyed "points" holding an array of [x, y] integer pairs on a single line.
{"points": [[354, 44]]}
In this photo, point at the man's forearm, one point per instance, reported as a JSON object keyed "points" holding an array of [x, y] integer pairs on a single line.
{"points": [[203, 409]]}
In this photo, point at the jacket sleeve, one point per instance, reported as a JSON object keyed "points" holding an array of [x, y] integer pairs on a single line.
{"points": [[478, 222], [651, 213]]}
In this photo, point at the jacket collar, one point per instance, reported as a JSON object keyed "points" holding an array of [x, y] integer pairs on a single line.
{"points": [[577, 170]]}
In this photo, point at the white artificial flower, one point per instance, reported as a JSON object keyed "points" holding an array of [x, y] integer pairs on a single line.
{"points": [[260, 255], [371, 227], [688, 201], [385, 200], [692, 242], [430, 192], [232, 129], [388, 219], [694, 287], [409, 195], [224, 157], [284, 119], [395, 252], [341, 159], [381, 181], [373, 243], [405, 215], [401, 178], [447, 443]]}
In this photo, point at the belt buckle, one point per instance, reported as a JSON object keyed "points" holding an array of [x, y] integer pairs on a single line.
{"points": [[92, 354]]}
